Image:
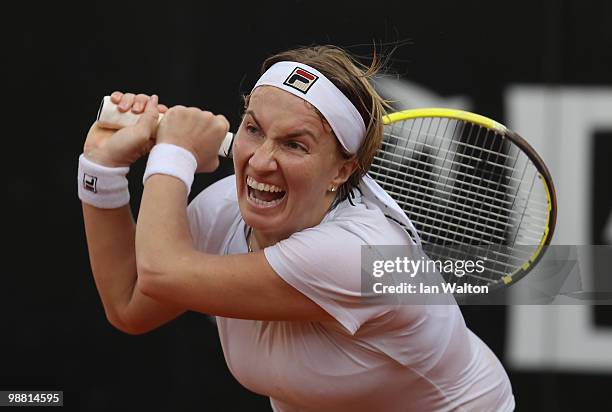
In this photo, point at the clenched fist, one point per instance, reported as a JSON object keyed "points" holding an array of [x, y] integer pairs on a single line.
{"points": [[198, 131], [123, 147]]}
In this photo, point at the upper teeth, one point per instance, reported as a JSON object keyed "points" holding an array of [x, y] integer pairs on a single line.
{"points": [[262, 186]]}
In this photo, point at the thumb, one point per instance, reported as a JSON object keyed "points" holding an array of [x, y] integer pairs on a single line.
{"points": [[148, 120]]}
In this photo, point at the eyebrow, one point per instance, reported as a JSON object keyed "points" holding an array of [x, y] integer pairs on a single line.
{"points": [[299, 132]]}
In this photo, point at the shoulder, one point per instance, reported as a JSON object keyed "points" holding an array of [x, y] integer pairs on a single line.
{"points": [[221, 191], [215, 198], [213, 213], [366, 223]]}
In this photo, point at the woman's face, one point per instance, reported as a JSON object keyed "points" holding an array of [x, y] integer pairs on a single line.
{"points": [[285, 158]]}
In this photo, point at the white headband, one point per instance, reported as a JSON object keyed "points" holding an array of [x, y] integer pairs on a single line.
{"points": [[309, 84]]}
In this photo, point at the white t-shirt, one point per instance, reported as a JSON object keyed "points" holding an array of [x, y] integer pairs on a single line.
{"points": [[376, 357]]}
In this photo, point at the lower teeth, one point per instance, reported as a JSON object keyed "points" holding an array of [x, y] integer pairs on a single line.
{"points": [[264, 202]]}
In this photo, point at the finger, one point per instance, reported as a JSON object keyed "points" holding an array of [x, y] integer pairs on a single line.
{"points": [[162, 108], [148, 120], [197, 111], [223, 120], [145, 127], [126, 102], [139, 103], [116, 97], [222, 124]]}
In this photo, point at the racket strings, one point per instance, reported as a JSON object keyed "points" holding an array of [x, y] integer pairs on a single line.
{"points": [[390, 149], [461, 155], [463, 184], [483, 193], [476, 191], [389, 145]]}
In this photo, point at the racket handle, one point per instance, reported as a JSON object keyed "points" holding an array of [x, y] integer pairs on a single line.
{"points": [[109, 117]]}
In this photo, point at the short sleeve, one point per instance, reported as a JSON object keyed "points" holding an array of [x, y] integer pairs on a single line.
{"points": [[324, 263], [212, 215]]}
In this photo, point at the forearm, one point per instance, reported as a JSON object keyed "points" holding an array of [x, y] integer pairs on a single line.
{"points": [[162, 235], [110, 241], [187, 142]]}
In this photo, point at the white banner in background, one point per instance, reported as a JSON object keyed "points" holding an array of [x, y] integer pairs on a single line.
{"points": [[560, 122]]}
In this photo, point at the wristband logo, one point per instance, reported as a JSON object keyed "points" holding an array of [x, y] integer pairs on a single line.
{"points": [[89, 182], [301, 79]]}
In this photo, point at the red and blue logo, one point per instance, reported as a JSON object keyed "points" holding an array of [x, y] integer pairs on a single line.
{"points": [[301, 79]]}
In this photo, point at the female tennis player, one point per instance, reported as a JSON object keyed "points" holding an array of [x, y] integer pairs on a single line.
{"points": [[274, 250]]}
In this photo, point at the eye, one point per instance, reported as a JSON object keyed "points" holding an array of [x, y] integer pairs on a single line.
{"points": [[293, 145], [252, 129]]}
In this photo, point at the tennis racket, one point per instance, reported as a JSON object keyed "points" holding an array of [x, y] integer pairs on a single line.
{"points": [[472, 187]]}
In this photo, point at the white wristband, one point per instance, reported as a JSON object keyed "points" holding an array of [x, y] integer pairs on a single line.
{"points": [[101, 186], [171, 160]]}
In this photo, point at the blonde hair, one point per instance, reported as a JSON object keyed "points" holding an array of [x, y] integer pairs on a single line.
{"points": [[352, 78]]}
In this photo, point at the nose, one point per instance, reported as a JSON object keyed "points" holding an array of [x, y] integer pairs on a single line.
{"points": [[264, 159]]}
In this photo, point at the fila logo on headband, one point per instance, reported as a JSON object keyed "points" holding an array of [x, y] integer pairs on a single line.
{"points": [[301, 79]]}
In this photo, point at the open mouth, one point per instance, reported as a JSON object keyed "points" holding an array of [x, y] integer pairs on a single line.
{"points": [[263, 194]]}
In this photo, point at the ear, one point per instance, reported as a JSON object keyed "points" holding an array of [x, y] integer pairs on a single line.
{"points": [[345, 170]]}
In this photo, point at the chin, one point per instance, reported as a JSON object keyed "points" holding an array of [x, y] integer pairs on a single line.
{"points": [[261, 222]]}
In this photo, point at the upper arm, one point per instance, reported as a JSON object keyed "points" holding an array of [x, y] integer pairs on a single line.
{"points": [[237, 286], [314, 275]]}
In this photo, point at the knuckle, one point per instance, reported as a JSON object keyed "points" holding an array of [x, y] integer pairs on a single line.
{"points": [[220, 126], [193, 111], [222, 122], [175, 110]]}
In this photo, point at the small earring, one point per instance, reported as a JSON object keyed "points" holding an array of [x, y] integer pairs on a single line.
{"points": [[332, 189]]}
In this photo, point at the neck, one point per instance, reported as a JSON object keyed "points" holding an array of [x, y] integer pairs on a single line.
{"points": [[259, 240]]}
